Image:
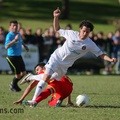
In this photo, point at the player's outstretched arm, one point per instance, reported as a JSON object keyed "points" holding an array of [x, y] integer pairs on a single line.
{"points": [[107, 58], [56, 15], [26, 92]]}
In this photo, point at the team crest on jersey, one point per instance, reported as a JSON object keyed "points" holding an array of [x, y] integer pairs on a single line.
{"points": [[73, 40], [83, 47]]}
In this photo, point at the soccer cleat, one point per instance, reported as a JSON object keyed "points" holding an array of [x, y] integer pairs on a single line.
{"points": [[14, 88], [25, 79], [34, 104], [29, 103], [59, 102]]}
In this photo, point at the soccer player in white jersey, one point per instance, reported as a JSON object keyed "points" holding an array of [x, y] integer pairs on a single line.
{"points": [[74, 47]]}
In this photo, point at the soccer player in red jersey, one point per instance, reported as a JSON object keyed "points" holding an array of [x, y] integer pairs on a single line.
{"points": [[59, 89]]}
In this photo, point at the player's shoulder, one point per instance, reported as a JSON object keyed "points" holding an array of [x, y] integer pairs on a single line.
{"points": [[71, 31]]}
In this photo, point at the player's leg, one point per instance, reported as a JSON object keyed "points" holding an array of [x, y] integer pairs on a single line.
{"points": [[44, 94], [22, 67], [67, 88], [29, 77], [13, 62], [39, 88], [26, 92]]}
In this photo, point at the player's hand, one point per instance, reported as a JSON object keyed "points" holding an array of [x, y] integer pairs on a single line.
{"points": [[114, 60], [56, 12], [16, 37], [18, 102]]}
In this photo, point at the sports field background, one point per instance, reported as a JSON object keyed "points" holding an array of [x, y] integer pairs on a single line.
{"points": [[39, 13], [104, 93]]}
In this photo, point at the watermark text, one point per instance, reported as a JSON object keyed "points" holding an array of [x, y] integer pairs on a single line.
{"points": [[11, 110]]}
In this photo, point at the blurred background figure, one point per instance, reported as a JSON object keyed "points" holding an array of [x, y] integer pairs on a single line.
{"points": [[2, 35], [68, 27], [116, 49], [22, 33], [19, 26], [109, 50], [48, 42], [29, 38], [40, 43]]}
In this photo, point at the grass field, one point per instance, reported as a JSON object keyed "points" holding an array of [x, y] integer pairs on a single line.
{"points": [[39, 13], [104, 93]]}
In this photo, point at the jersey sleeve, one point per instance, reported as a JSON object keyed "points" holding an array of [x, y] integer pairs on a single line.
{"points": [[65, 33], [7, 40], [95, 49]]}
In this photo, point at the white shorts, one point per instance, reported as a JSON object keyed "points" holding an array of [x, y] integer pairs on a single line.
{"points": [[56, 67]]}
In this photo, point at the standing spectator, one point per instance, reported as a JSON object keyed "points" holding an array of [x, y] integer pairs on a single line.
{"points": [[2, 35], [101, 44], [30, 39], [68, 27], [22, 33], [109, 50], [116, 49], [13, 44], [19, 26], [100, 41], [48, 41], [40, 43], [91, 35]]}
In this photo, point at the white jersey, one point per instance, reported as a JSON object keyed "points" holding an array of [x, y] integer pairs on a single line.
{"points": [[72, 49]]}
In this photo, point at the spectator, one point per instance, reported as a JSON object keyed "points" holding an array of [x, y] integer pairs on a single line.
{"points": [[68, 27], [2, 35], [22, 33], [30, 39], [40, 42], [116, 49], [48, 41], [109, 49]]}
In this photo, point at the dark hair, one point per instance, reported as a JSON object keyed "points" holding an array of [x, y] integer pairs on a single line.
{"points": [[13, 21], [41, 64], [86, 23]]}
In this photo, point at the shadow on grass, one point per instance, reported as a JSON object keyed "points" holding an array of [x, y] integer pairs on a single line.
{"points": [[94, 106], [103, 106]]}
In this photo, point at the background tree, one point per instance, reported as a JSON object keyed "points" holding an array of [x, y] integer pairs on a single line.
{"points": [[65, 9]]}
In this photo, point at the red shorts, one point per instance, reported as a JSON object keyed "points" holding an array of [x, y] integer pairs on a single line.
{"points": [[62, 89]]}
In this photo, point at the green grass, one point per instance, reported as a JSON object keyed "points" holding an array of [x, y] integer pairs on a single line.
{"points": [[104, 104], [39, 13]]}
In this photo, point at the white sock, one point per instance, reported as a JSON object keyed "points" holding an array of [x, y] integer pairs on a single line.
{"points": [[39, 89], [54, 75], [35, 77]]}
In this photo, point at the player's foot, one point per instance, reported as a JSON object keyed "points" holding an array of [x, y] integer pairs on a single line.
{"points": [[59, 102], [34, 104], [29, 103], [14, 88], [25, 79]]}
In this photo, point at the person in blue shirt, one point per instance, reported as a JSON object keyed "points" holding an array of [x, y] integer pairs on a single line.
{"points": [[13, 45]]}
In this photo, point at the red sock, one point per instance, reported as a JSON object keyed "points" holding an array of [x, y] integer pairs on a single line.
{"points": [[43, 95]]}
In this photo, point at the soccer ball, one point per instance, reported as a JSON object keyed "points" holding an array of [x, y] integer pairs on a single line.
{"points": [[82, 100]]}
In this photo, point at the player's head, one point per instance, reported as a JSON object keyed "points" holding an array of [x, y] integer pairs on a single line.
{"points": [[13, 26], [39, 67], [87, 24], [85, 28]]}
